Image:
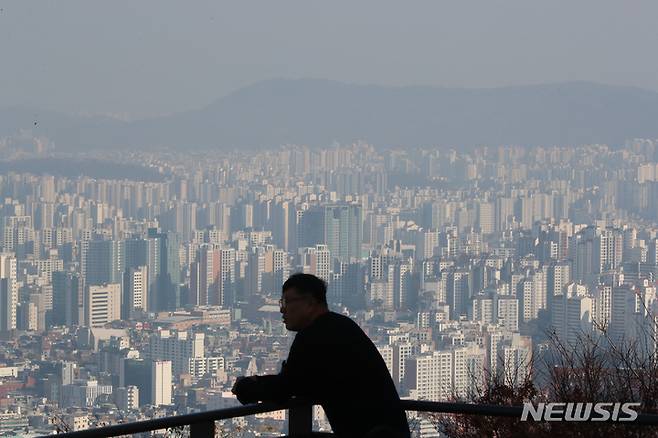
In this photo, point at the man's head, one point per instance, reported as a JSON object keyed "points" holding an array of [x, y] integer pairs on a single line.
{"points": [[303, 298]]}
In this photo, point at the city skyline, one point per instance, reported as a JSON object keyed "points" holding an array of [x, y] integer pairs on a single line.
{"points": [[461, 266], [471, 189]]}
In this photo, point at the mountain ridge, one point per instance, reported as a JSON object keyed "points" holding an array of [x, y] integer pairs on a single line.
{"points": [[319, 112]]}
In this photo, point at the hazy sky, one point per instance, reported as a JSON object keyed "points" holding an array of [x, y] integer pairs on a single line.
{"points": [[147, 57]]}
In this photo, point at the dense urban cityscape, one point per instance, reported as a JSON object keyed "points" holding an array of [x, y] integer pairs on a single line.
{"points": [[132, 298]]}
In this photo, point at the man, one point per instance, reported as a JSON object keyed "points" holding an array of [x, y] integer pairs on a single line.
{"points": [[332, 362]]}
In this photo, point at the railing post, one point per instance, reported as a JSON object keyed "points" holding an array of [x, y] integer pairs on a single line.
{"points": [[300, 420], [204, 429]]}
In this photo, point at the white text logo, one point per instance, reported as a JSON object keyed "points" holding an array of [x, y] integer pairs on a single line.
{"points": [[570, 411]]}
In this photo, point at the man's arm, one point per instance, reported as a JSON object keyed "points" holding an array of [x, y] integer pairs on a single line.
{"points": [[279, 387], [262, 388], [247, 389]]}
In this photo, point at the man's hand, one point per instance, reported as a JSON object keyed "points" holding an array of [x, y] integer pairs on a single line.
{"points": [[246, 389]]}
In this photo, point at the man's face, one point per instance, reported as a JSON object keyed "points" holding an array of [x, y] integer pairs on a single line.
{"points": [[297, 309]]}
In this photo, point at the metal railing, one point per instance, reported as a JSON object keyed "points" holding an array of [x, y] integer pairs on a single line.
{"points": [[300, 419], [202, 424]]}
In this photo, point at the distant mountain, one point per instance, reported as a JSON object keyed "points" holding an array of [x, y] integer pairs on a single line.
{"points": [[320, 112]]}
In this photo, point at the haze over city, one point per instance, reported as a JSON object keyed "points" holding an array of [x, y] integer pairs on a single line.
{"points": [[476, 183], [148, 58]]}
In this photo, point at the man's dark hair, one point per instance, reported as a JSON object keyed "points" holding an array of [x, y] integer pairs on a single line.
{"points": [[307, 284]]}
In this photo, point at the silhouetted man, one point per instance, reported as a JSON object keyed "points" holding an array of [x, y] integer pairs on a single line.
{"points": [[333, 362]]}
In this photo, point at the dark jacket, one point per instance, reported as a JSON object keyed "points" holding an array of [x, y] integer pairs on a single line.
{"points": [[333, 362]]}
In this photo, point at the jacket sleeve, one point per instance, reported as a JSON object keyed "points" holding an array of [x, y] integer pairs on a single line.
{"points": [[294, 378]]}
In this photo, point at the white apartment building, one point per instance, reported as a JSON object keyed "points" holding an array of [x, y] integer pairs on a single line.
{"points": [[136, 290], [200, 366], [8, 292], [103, 304], [467, 370], [507, 313], [177, 347], [161, 382], [429, 376]]}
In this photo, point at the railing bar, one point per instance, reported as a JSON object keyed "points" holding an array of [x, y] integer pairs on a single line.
{"points": [[168, 422], [240, 411], [495, 410]]}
